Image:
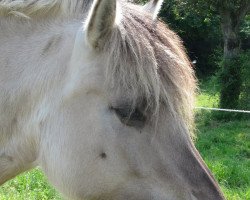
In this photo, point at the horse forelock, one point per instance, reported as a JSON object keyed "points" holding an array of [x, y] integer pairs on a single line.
{"points": [[148, 63]]}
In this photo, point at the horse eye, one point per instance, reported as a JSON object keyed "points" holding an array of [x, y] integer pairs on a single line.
{"points": [[130, 117]]}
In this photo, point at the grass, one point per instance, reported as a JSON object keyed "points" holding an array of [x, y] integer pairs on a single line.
{"points": [[226, 150], [225, 147], [29, 186]]}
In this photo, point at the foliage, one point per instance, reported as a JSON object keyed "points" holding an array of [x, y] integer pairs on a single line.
{"points": [[198, 24], [200, 30], [230, 78], [245, 33], [218, 5], [245, 94], [232, 14], [234, 81]]}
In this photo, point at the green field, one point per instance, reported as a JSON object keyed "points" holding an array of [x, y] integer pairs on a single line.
{"points": [[225, 147]]}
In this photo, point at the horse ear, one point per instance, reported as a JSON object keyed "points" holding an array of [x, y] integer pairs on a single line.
{"points": [[100, 22], [154, 7]]}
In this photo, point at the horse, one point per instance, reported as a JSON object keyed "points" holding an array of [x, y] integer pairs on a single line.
{"points": [[100, 96]]}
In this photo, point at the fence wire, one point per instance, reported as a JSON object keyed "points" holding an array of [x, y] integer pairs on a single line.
{"points": [[224, 110]]}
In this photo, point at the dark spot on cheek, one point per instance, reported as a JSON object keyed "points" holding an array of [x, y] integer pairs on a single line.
{"points": [[103, 155]]}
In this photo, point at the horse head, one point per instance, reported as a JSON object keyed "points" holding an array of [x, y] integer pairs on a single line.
{"points": [[120, 126]]}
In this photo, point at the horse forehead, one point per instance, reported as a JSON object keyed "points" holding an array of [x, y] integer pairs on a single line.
{"points": [[88, 80], [85, 69]]}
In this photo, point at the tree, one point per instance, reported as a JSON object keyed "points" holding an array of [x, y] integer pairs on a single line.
{"points": [[232, 14]]}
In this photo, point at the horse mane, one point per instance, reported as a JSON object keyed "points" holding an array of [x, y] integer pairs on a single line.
{"points": [[157, 70], [33, 8]]}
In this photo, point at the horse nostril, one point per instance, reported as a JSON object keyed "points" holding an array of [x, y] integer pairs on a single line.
{"points": [[103, 155]]}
